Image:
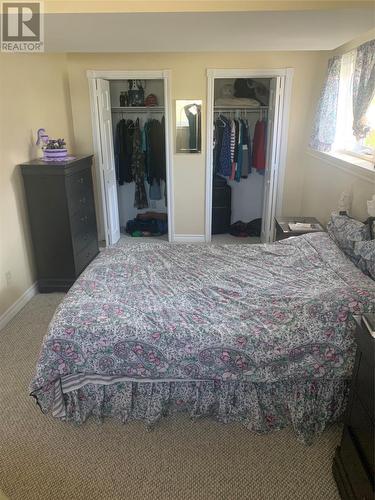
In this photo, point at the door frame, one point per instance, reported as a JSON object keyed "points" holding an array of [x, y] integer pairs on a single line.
{"points": [[164, 75], [287, 75]]}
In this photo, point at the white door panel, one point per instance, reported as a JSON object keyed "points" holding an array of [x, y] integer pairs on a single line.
{"points": [[107, 161], [272, 159]]}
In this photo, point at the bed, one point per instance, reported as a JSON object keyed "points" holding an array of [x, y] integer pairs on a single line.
{"points": [[258, 334]]}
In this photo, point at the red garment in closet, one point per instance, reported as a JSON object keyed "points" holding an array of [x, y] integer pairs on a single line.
{"points": [[259, 145]]}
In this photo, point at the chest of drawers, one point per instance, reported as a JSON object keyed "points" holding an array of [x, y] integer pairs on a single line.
{"points": [[61, 210], [353, 465]]}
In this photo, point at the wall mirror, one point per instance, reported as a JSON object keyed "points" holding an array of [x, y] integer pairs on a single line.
{"points": [[188, 126]]}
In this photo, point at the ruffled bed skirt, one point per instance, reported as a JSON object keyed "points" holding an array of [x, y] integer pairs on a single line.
{"points": [[307, 406]]}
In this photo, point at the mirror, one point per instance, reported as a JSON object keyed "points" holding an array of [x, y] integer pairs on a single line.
{"points": [[188, 126]]}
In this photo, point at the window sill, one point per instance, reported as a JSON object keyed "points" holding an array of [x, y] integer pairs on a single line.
{"points": [[363, 169]]}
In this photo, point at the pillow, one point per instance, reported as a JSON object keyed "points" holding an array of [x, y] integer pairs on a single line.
{"points": [[365, 252], [346, 232]]}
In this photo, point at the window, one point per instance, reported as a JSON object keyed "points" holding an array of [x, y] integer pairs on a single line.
{"points": [[345, 141]]}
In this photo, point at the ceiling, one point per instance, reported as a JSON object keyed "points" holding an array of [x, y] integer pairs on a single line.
{"points": [[205, 31]]}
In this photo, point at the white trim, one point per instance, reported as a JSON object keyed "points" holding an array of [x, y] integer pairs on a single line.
{"points": [[16, 307], [284, 139], [165, 75], [346, 166], [247, 73], [209, 154], [287, 75], [99, 180], [127, 74], [189, 238]]}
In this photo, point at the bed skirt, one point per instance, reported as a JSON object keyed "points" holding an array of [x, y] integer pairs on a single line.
{"points": [[308, 406]]}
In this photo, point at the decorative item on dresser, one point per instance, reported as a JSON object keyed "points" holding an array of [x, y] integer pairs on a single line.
{"points": [[353, 465], [62, 218]]}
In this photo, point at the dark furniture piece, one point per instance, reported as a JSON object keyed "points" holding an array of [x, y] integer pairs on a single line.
{"points": [[62, 218], [221, 205], [353, 465], [282, 226]]}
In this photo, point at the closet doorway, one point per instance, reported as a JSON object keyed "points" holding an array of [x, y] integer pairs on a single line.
{"points": [[131, 120], [247, 118]]}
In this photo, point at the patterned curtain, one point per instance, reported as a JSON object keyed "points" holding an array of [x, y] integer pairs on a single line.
{"points": [[363, 86], [324, 129]]}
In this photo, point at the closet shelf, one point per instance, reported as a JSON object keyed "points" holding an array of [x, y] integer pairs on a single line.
{"points": [[240, 108], [137, 109]]}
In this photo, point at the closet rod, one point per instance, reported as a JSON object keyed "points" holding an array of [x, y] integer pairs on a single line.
{"points": [[138, 109], [217, 109]]}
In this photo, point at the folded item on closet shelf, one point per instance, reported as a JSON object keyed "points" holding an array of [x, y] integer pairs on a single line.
{"points": [[152, 215], [237, 101]]}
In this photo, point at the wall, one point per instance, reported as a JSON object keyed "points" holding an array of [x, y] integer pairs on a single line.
{"points": [[323, 180], [189, 82], [34, 92]]}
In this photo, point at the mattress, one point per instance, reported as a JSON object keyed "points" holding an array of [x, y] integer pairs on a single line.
{"points": [[256, 333]]}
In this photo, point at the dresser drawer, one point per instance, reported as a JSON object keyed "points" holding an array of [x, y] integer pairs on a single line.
{"points": [[220, 220], [358, 476], [85, 256], [82, 222], [79, 191], [83, 239], [221, 197], [362, 429], [364, 383]]}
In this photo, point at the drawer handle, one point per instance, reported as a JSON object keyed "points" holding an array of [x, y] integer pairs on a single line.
{"points": [[80, 180], [84, 219], [82, 200]]}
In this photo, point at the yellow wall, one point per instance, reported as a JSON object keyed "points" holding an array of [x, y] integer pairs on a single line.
{"points": [[33, 93], [323, 183], [189, 81]]}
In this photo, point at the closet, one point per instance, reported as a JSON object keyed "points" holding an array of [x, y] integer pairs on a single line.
{"points": [[131, 120], [138, 126], [244, 141]]}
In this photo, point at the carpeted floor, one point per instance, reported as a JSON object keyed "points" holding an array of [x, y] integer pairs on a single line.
{"points": [[41, 458]]}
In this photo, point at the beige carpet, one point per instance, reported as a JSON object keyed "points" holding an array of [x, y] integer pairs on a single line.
{"points": [[41, 458]]}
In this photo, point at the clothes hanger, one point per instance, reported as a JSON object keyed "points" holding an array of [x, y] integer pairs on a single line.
{"points": [[222, 121], [135, 124]]}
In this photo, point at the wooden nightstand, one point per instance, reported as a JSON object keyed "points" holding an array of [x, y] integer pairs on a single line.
{"points": [[283, 231], [353, 465]]}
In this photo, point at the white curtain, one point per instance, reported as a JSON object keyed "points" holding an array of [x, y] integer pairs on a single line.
{"points": [[324, 130], [363, 87]]}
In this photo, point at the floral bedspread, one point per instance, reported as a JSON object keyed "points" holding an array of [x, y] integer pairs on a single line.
{"points": [[169, 313]]}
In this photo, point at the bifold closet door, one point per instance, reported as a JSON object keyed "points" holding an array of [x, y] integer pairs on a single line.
{"points": [[272, 158], [107, 161]]}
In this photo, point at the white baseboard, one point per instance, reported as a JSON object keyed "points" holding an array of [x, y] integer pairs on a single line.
{"points": [[189, 238], [18, 305]]}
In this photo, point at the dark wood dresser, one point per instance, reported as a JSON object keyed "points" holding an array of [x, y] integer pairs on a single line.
{"points": [[221, 205], [62, 218], [353, 465]]}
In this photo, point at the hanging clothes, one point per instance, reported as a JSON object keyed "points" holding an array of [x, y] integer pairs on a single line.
{"points": [[238, 173], [124, 150], [224, 146], [140, 154], [138, 168], [246, 150], [259, 145], [156, 157]]}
